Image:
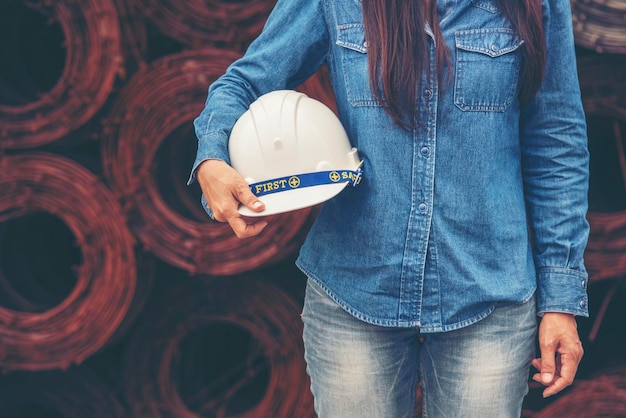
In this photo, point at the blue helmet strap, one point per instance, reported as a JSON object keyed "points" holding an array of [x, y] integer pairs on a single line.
{"points": [[300, 181]]}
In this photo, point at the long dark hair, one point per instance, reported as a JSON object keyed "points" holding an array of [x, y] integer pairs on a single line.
{"points": [[397, 49]]}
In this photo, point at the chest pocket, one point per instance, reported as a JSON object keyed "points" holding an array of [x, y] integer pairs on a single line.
{"points": [[353, 55], [487, 69]]}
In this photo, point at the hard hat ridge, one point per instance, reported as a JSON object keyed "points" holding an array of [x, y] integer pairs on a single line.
{"points": [[275, 127]]}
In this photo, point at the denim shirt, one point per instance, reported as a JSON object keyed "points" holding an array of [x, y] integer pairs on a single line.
{"points": [[483, 205]]}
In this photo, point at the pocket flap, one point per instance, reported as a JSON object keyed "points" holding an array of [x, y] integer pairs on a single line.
{"points": [[491, 42], [352, 36]]}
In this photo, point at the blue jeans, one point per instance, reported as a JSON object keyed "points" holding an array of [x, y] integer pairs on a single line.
{"points": [[367, 371]]}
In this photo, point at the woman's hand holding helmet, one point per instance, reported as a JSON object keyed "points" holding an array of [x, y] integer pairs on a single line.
{"points": [[224, 190]]}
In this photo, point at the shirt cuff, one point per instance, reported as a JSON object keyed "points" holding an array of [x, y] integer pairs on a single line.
{"points": [[562, 290], [192, 178], [207, 150], [207, 209]]}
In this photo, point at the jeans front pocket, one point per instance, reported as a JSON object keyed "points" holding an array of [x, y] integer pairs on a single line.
{"points": [[487, 69], [353, 50]]}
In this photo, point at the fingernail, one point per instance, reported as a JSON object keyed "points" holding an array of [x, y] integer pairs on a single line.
{"points": [[546, 377], [257, 205]]}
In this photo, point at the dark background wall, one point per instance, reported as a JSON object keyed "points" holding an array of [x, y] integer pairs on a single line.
{"points": [[119, 298]]}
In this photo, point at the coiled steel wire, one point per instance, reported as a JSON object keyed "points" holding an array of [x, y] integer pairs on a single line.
{"points": [[93, 61], [157, 383], [82, 322], [213, 23], [159, 103], [134, 35]]}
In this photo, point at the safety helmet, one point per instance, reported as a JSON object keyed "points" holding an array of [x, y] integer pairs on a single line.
{"points": [[293, 152]]}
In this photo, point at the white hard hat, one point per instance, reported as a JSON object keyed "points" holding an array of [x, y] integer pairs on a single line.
{"points": [[293, 152]]}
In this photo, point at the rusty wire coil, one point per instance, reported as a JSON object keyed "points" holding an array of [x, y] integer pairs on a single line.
{"points": [[134, 35], [172, 370], [28, 286], [600, 25], [603, 87], [601, 396], [77, 392], [83, 321], [213, 23], [145, 134], [146, 272], [92, 42]]}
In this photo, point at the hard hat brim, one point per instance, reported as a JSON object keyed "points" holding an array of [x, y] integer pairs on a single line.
{"points": [[290, 200]]}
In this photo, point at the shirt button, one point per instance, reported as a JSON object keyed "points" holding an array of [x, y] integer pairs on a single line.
{"points": [[365, 44], [494, 47], [428, 93], [422, 207], [584, 284], [583, 304], [425, 151]]}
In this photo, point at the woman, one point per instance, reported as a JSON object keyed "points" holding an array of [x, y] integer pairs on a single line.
{"points": [[469, 222]]}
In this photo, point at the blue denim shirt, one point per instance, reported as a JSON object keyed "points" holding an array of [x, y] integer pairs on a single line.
{"points": [[486, 205]]}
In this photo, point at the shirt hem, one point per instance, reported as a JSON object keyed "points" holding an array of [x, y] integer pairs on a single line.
{"points": [[396, 323]]}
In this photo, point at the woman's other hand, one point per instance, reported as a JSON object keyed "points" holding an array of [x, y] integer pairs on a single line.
{"points": [[561, 352]]}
